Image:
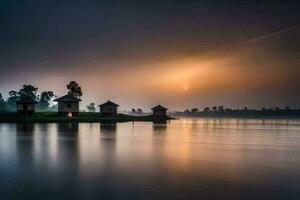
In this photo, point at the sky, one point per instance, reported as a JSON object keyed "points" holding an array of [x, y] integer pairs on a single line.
{"points": [[180, 54]]}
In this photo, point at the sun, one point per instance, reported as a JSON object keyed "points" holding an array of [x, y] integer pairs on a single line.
{"points": [[186, 88]]}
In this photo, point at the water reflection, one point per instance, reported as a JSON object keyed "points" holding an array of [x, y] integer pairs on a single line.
{"points": [[25, 129], [68, 146], [68, 129], [187, 158], [160, 126], [24, 144], [109, 128]]}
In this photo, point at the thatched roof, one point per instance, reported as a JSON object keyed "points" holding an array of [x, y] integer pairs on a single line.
{"points": [[159, 107], [67, 98], [108, 103]]}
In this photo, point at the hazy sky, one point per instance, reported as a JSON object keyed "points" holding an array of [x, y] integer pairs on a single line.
{"points": [[140, 53]]}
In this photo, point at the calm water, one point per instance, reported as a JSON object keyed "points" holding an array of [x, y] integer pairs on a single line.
{"points": [[183, 159]]}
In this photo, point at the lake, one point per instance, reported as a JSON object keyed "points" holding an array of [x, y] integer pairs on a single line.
{"points": [[190, 158]]}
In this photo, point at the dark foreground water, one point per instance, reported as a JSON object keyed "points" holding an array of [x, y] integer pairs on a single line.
{"points": [[184, 159]]}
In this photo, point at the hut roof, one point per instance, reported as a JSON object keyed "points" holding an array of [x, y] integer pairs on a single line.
{"points": [[26, 99], [109, 103], [67, 98], [159, 107]]}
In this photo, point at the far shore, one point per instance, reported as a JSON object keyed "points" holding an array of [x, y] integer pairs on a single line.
{"points": [[242, 114], [238, 117]]}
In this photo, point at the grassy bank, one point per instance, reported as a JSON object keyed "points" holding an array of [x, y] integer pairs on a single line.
{"points": [[12, 117]]}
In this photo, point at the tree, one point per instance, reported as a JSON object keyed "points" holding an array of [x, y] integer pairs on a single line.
{"points": [[214, 108], [74, 89], [194, 110], [287, 108], [139, 110], [45, 99], [2, 103], [221, 108], [28, 90], [12, 99], [187, 111], [13, 93], [91, 107], [206, 109], [133, 110], [228, 110]]}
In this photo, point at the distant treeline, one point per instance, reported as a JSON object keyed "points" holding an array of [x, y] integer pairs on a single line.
{"points": [[221, 111]]}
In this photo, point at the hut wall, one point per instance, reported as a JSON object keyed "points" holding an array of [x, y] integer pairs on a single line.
{"points": [[68, 107], [20, 106], [108, 109], [159, 112]]}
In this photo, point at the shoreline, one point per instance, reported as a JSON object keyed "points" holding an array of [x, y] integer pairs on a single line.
{"points": [[86, 117], [52, 117]]}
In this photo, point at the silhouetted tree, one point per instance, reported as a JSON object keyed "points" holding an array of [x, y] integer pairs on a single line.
{"points": [[221, 108], [74, 89], [194, 110], [91, 107], [287, 108], [228, 110], [28, 90], [133, 110], [206, 109], [45, 98], [13, 93], [11, 101], [214, 108], [2, 103], [187, 111], [139, 110]]}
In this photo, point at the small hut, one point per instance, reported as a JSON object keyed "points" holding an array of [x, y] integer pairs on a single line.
{"points": [[68, 106], [26, 105], [159, 111], [109, 108]]}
